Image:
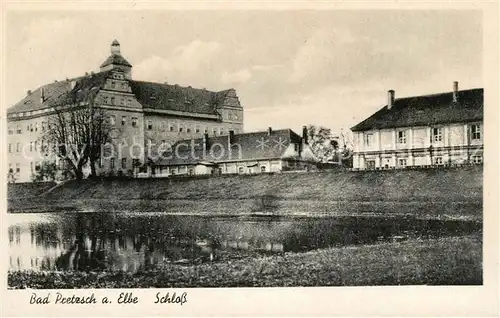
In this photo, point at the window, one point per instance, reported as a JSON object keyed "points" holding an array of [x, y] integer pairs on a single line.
{"points": [[205, 130], [18, 147], [10, 147], [44, 124], [235, 117], [150, 124], [122, 101], [18, 168], [214, 131], [19, 131], [31, 127], [475, 132], [241, 170], [124, 120], [171, 127], [437, 134], [197, 129], [402, 137], [221, 131], [134, 121], [370, 164], [112, 100], [477, 159], [112, 163], [229, 116], [27, 127], [129, 102], [181, 127], [124, 163], [113, 84], [188, 128], [31, 146], [10, 131], [402, 162], [136, 162], [438, 160], [263, 169], [35, 144], [368, 140], [163, 125], [36, 126], [112, 120], [105, 99]]}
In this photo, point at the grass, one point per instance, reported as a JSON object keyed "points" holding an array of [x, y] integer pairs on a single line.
{"points": [[436, 193], [443, 261]]}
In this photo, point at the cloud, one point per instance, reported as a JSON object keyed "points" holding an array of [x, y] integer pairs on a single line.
{"points": [[190, 57], [238, 77], [319, 53], [189, 64], [153, 68]]}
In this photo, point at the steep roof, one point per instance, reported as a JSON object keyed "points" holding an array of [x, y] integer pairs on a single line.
{"points": [[178, 98], [116, 59], [150, 95], [254, 145], [427, 110], [60, 93]]}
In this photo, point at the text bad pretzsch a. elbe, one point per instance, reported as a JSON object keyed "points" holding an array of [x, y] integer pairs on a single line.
{"points": [[123, 298]]}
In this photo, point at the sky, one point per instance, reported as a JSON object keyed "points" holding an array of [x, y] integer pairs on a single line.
{"points": [[289, 68]]}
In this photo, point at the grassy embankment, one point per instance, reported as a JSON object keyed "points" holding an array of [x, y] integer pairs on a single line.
{"points": [[443, 261], [436, 193]]}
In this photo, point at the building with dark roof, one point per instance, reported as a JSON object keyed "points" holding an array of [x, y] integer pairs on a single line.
{"points": [[246, 153], [140, 112], [438, 129]]}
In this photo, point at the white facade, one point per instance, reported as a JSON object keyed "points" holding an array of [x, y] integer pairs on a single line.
{"points": [[455, 143]]}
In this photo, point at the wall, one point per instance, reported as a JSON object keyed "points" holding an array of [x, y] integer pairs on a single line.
{"points": [[385, 150]]}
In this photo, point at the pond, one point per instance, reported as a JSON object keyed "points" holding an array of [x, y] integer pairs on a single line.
{"points": [[136, 241]]}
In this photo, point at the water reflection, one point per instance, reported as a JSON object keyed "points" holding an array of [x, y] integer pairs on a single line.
{"points": [[132, 242]]}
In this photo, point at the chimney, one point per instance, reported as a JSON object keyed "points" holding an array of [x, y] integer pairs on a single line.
{"points": [[231, 137], [390, 99], [304, 135], [269, 131], [206, 145], [29, 92], [455, 91], [42, 95]]}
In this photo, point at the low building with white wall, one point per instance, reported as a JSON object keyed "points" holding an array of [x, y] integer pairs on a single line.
{"points": [[428, 130], [247, 153]]}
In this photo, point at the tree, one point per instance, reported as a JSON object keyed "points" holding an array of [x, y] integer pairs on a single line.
{"points": [[323, 143], [45, 172], [346, 150], [76, 132], [329, 148]]}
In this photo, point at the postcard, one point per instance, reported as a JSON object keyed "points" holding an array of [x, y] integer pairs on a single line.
{"points": [[250, 159]]}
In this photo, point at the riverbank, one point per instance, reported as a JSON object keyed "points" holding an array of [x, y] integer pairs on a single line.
{"points": [[439, 193], [443, 261]]}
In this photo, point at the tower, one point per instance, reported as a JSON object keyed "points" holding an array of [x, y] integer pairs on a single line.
{"points": [[117, 61]]}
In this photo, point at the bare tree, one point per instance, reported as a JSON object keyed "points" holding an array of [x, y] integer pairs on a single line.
{"points": [[76, 133], [322, 142]]}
